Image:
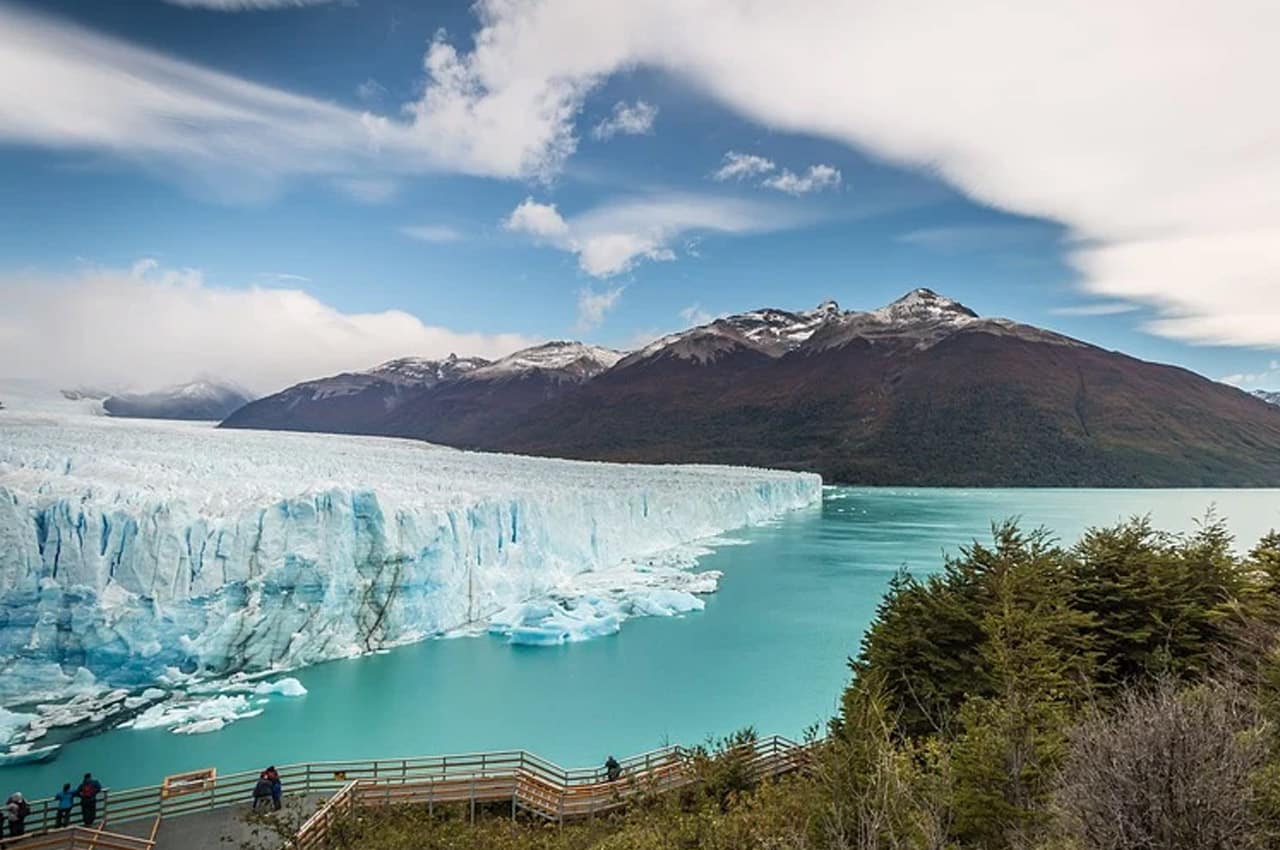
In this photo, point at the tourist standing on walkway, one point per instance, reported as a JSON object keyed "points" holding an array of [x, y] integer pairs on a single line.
{"points": [[261, 791], [16, 811], [66, 798], [612, 769], [89, 790], [277, 787]]}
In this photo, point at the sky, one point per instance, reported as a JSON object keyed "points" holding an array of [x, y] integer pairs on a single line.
{"points": [[271, 190]]}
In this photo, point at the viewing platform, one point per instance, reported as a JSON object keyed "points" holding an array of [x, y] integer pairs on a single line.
{"points": [[203, 811]]}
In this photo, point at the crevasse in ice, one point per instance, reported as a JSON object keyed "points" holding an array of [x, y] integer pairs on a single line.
{"points": [[145, 550]]}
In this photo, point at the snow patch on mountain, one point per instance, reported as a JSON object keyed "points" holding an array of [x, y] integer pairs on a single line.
{"points": [[1269, 396], [419, 371], [569, 361], [922, 318], [201, 400], [769, 331]]}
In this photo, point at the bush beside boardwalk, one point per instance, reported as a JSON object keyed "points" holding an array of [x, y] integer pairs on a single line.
{"points": [[1120, 693]]}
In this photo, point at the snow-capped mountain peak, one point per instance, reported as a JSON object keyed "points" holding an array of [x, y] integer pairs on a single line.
{"points": [[420, 370], [1269, 396], [768, 330], [923, 305], [566, 359]]}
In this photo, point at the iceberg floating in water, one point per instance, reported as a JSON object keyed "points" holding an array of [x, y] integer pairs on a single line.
{"points": [[286, 687], [153, 552]]}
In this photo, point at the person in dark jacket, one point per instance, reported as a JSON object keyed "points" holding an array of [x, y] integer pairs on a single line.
{"points": [[66, 798], [261, 792], [88, 792], [16, 811], [277, 787], [612, 769]]}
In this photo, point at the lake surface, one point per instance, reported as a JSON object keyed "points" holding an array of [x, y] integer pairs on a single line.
{"points": [[769, 650]]}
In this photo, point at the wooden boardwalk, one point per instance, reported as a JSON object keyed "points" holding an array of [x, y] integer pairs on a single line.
{"points": [[207, 811]]}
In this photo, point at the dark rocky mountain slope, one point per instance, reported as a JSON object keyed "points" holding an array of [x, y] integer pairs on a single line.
{"points": [[922, 391]]}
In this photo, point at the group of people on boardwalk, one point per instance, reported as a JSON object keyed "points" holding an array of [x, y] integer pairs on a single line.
{"points": [[268, 787], [17, 809]]}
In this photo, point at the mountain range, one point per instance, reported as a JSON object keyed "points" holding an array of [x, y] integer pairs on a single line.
{"points": [[202, 400], [920, 391]]}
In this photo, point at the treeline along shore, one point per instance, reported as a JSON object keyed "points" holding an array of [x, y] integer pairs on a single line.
{"points": [[1121, 692]]}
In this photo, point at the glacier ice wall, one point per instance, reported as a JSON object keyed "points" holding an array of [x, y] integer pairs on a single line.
{"points": [[135, 548]]}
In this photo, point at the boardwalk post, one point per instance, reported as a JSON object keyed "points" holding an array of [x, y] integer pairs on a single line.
{"points": [[473, 800]]}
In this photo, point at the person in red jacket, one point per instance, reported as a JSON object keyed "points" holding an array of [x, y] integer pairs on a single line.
{"points": [[89, 790]]}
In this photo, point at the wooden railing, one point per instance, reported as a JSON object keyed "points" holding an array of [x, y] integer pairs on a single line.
{"points": [[79, 838], [534, 785], [530, 783]]}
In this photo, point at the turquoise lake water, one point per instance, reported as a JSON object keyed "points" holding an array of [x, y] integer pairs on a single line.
{"points": [[769, 650]]}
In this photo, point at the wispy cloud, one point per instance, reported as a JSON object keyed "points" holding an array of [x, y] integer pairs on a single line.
{"points": [[814, 179], [739, 166], [594, 304], [150, 325], [437, 233], [75, 89], [283, 277], [368, 190], [695, 315], [963, 238], [1105, 308], [635, 119], [371, 91], [613, 238], [246, 5], [749, 166], [1268, 379]]}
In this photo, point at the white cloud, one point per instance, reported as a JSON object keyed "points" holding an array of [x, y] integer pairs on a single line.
{"points": [[540, 220], [814, 179], [613, 238], [1144, 127], [1268, 379], [437, 233], [737, 166], [628, 119], [694, 315], [66, 87], [284, 277], [745, 166], [149, 326], [593, 305], [245, 5]]}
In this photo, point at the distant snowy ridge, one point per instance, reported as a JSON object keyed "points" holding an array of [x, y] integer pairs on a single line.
{"points": [[1269, 396], [141, 550], [571, 361], [201, 400]]}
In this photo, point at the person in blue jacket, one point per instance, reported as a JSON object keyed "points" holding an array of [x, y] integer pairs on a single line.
{"points": [[65, 798]]}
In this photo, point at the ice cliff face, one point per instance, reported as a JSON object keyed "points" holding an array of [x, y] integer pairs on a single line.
{"points": [[136, 549]]}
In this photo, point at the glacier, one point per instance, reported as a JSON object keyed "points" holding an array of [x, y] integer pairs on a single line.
{"points": [[136, 552]]}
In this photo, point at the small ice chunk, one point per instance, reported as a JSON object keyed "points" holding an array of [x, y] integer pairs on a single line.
{"points": [[286, 687], [13, 722]]}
